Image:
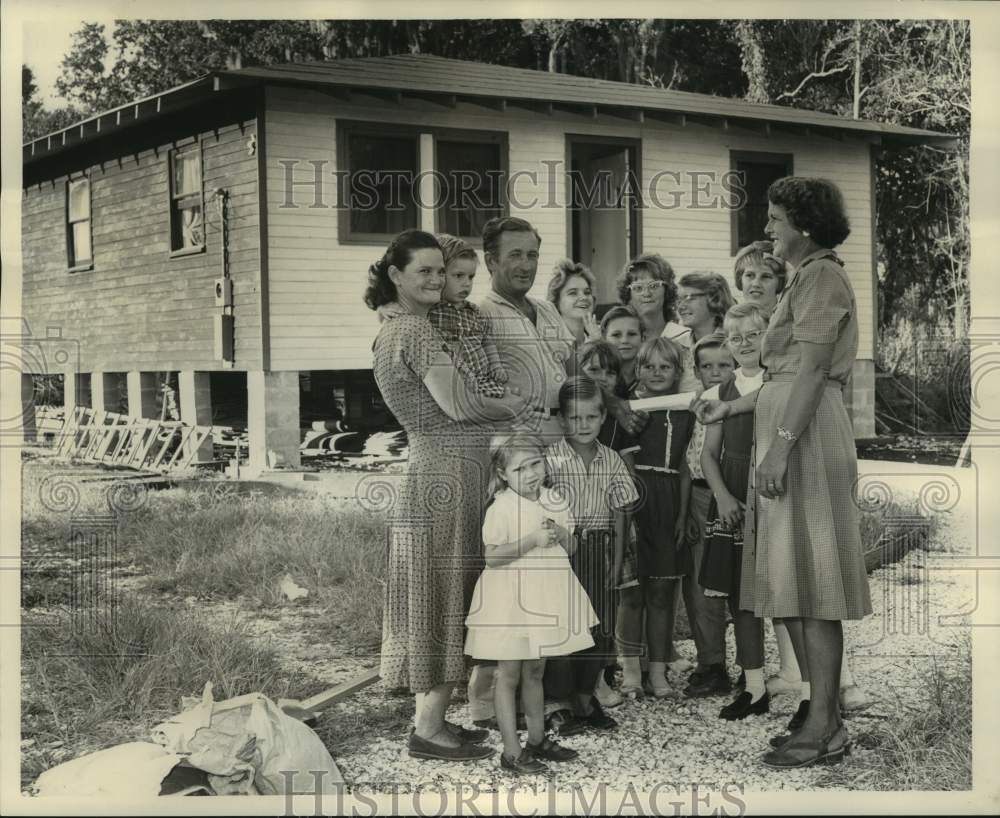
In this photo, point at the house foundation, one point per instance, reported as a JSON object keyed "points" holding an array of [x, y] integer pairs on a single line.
{"points": [[142, 393], [196, 406], [273, 420]]}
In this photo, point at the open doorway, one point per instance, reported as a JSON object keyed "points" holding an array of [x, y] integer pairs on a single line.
{"points": [[602, 186]]}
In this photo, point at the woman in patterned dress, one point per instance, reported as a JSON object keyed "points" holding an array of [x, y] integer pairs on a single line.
{"points": [[434, 536], [802, 558]]}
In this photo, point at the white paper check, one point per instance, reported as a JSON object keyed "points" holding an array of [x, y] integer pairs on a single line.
{"points": [[662, 403]]}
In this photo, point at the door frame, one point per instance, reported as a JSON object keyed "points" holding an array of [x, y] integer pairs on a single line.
{"points": [[634, 144]]}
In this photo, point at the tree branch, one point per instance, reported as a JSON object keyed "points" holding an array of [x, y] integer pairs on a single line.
{"points": [[813, 76]]}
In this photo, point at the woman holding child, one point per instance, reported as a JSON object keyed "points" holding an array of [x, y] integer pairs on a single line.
{"points": [[802, 555], [435, 534]]}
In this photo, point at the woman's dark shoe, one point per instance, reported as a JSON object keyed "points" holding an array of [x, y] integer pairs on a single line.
{"points": [[800, 716], [491, 723], [711, 681], [524, 764], [743, 706], [564, 723], [422, 748], [466, 735], [597, 719], [550, 750], [794, 754]]}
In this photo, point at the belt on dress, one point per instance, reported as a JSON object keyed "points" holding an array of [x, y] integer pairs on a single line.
{"points": [[788, 377], [701, 482]]}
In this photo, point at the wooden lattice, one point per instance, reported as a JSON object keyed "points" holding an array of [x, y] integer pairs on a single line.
{"points": [[138, 443]]}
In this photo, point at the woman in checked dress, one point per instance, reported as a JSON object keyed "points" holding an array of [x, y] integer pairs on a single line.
{"points": [[802, 546]]}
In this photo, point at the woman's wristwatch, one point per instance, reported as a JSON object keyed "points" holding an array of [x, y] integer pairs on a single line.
{"points": [[783, 432]]}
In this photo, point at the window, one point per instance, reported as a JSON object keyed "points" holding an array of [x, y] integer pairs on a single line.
{"points": [[382, 170], [757, 171], [474, 177], [187, 223], [78, 244]]}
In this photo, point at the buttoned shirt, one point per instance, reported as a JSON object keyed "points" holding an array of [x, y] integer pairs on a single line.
{"points": [[534, 355], [594, 494], [817, 305]]}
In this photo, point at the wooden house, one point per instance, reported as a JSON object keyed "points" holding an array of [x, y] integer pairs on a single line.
{"points": [[222, 230]]}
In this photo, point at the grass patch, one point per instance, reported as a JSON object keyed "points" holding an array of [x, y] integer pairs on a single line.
{"points": [[930, 749], [224, 545], [96, 687], [894, 529]]}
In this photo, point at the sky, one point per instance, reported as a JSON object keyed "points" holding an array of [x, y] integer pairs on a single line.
{"points": [[46, 43]]}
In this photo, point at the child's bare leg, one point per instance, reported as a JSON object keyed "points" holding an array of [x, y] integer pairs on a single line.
{"points": [[533, 698], [630, 605], [508, 674]]}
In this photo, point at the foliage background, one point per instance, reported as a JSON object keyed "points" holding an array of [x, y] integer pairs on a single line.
{"points": [[906, 72]]}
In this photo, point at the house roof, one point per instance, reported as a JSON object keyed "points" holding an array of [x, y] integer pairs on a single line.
{"points": [[446, 81]]}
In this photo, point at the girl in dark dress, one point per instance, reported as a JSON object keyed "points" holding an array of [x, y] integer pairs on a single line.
{"points": [[664, 490]]}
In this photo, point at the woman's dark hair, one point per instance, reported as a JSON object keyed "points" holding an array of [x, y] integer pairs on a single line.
{"points": [[659, 268], [814, 206], [398, 254]]}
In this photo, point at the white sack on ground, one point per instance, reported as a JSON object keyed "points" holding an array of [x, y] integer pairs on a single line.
{"points": [[250, 735], [133, 770]]}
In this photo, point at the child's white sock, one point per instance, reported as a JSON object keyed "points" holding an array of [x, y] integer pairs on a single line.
{"points": [[631, 671], [804, 692], [755, 682], [658, 674]]}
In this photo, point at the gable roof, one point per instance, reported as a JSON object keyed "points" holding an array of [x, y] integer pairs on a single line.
{"points": [[447, 80]]}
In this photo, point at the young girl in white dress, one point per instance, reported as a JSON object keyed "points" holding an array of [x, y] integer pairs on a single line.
{"points": [[528, 603]]}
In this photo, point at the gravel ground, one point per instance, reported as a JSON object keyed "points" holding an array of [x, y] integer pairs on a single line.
{"points": [[673, 741], [684, 741]]}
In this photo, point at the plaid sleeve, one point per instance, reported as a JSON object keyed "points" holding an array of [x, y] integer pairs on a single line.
{"points": [[821, 302]]}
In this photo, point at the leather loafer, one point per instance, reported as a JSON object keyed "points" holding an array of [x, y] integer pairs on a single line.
{"points": [[564, 723], [491, 723], [743, 706], [550, 750], [524, 764], [709, 682], [597, 719], [422, 748], [466, 735]]}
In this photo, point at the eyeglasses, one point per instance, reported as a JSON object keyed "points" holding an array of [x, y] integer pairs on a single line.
{"points": [[750, 337], [645, 286], [686, 299]]}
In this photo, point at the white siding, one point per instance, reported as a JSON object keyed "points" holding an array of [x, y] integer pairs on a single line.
{"points": [[317, 317]]}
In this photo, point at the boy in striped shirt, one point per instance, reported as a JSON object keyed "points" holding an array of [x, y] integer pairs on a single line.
{"points": [[598, 488]]}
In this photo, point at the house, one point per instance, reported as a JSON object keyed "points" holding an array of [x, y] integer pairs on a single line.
{"points": [[222, 230]]}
